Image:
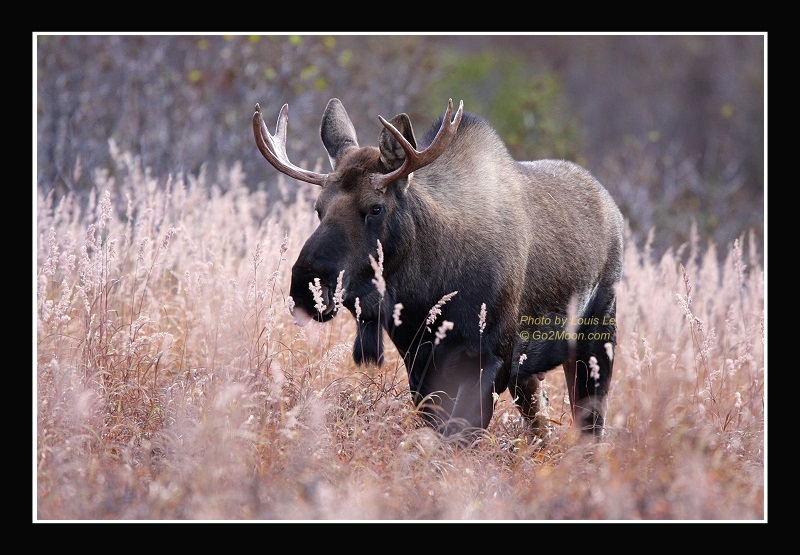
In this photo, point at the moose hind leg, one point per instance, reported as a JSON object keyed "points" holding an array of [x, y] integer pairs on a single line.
{"points": [[589, 366], [588, 378]]}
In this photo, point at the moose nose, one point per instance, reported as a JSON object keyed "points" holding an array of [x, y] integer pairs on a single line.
{"points": [[312, 290], [300, 317]]}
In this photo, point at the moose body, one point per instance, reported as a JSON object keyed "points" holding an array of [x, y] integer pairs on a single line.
{"points": [[504, 269]]}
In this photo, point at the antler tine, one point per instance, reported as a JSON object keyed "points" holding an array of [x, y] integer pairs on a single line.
{"points": [[273, 147], [416, 159]]}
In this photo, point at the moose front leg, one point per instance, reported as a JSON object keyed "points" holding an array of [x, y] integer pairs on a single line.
{"points": [[472, 410], [529, 396], [456, 397]]}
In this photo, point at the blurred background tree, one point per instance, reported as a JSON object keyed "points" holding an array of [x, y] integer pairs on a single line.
{"points": [[673, 126]]}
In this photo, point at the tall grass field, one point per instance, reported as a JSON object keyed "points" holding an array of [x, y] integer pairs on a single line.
{"points": [[171, 384]]}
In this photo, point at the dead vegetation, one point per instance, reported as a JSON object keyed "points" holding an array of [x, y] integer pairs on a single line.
{"points": [[170, 383]]}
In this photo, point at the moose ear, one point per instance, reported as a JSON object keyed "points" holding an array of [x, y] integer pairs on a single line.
{"points": [[337, 131], [392, 153]]}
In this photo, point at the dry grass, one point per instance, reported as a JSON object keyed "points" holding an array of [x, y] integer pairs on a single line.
{"points": [[171, 384]]}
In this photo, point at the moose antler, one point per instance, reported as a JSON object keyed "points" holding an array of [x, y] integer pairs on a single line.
{"points": [[416, 159], [273, 147]]}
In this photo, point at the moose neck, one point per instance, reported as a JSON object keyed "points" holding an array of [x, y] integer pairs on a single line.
{"points": [[421, 266]]}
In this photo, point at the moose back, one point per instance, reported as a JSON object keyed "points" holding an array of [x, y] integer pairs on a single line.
{"points": [[485, 272]]}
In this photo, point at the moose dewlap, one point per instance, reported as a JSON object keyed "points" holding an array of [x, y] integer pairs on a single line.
{"points": [[504, 269]]}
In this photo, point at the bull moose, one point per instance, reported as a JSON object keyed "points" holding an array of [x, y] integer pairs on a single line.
{"points": [[486, 272]]}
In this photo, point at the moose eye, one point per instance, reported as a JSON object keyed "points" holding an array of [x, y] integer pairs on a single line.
{"points": [[376, 210]]}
